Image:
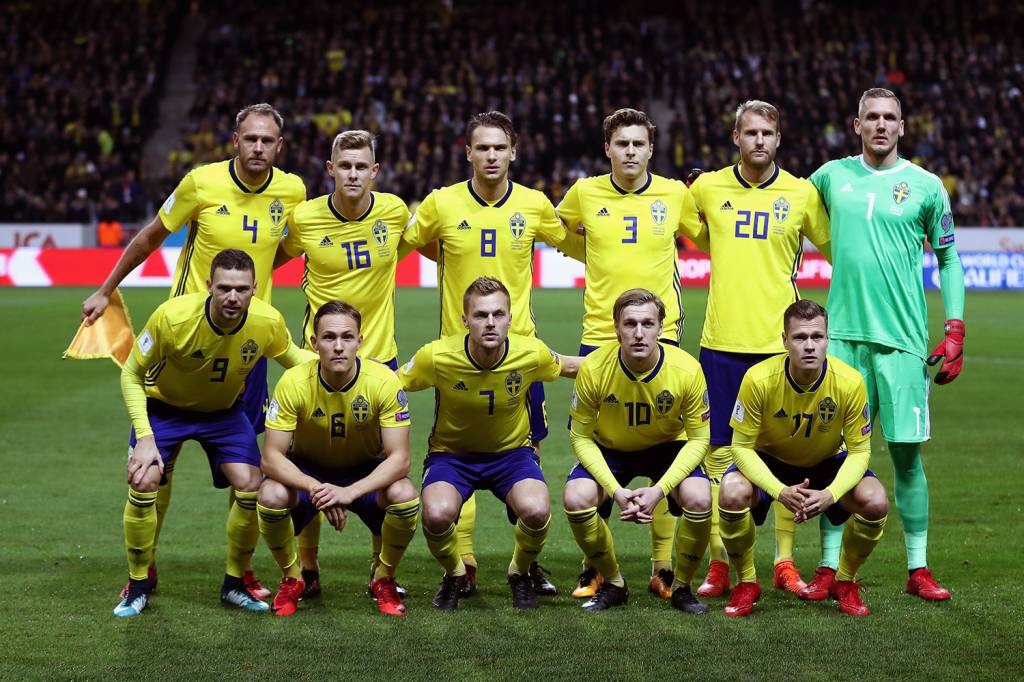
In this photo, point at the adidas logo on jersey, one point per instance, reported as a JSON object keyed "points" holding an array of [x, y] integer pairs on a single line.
{"points": [[223, 210], [727, 206], [326, 241], [847, 188], [781, 413], [317, 413], [603, 213], [198, 355], [611, 400], [461, 386], [464, 226]]}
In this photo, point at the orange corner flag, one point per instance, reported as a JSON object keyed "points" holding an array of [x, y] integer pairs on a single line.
{"points": [[110, 336]]}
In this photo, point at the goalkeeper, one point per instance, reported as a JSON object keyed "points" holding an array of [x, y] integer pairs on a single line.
{"points": [[882, 208]]}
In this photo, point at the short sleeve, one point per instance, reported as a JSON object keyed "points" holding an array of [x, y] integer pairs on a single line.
{"points": [[418, 373], [746, 413], [393, 404], [551, 230], [549, 366], [816, 225], [584, 404], [423, 227], [147, 350], [282, 414], [689, 218], [182, 205], [696, 411], [569, 212], [281, 338]]}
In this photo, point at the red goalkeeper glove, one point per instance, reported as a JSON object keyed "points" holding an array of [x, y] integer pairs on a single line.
{"points": [[693, 175], [951, 351]]}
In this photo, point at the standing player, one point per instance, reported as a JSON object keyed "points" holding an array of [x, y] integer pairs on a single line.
{"points": [[481, 437], [242, 203], [631, 218], [487, 226], [792, 414], [756, 216], [882, 208], [351, 242], [639, 408], [338, 441], [182, 382]]}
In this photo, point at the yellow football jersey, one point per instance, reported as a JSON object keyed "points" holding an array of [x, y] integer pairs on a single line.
{"points": [[756, 236], [351, 260], [798, 425], [628, 412], [479, 410], [630, 242], [339, 428], [477, 239], [222, 212], [191, 364]]}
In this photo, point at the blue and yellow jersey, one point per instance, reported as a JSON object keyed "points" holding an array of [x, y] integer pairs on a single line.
{"points": [[222, 212], [351, 260], [339, 428], [630, 242], [628, 412], [480, 410], [756, 245], [802, 425], [192, 364], [477, 239]]}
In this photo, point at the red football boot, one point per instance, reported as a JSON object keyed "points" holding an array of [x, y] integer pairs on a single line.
{"points": [[744, 596], [922, 584], [717, 581], [817, 589], [787, 578], [289, 592], [254, 587], [846, 592], [385, 592]]}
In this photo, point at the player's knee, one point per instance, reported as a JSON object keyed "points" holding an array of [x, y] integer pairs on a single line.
{"points": [[576, 497], [536, 515], [734, 494], [696, 497], [273, 495], [148, 484], [439, 515], [874, 504], [400, 491]]}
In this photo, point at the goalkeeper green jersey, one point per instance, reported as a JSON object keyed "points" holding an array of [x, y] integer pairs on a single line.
{"points": [[880, 219]]}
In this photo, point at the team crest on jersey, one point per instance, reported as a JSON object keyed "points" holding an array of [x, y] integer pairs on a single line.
{"points": [[360, 409], [900, 192], [276, 212], [517, 223], [826, 410], [780, 209], [663, 402], [380, 232], [250, 349], [659, 212], [513, 383]]}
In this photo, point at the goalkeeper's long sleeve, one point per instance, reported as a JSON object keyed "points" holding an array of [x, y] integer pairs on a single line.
{"points": [[951, 281]]}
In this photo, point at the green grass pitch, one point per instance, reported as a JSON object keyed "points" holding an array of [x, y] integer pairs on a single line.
{"points": [[62, 559]]}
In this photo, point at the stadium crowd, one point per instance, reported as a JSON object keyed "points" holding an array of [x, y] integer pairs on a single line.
{"points": [[413, 75]]}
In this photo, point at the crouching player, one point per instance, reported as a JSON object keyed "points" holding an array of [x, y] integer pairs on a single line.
{"points": [[481, 437], [793, 414], [338, 441], [639, 408], [182, 382]]}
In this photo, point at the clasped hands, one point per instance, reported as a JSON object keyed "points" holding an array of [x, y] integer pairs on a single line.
{"points": [[638, 505], [333, 501], [804, 502]]}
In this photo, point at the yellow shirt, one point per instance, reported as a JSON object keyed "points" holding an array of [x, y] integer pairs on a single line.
{"points": [[630, 242], [477, 239], [339, 429], [223, 213], [756, 236], [354, 261], [480, 410]]}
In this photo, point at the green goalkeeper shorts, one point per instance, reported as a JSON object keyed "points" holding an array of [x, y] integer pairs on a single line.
{"points": [[897, 384]]}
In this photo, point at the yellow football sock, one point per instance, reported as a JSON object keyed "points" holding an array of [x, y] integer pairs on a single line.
{"points": [[691, 540], [465, 528], [663, 527], [738, 535], [278, 532], [139, 532], [859, 538], [716, 463], [785, 533], [717, 549], [243, 533], [529, 543], [309, 543], [163, 502], [595, 539], [445, 548], [396, 533]]}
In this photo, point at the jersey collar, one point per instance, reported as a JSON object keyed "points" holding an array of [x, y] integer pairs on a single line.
{"points": [[817, 382], [241, 185], [650, 375], [339, 216], [215, 328], [641, 190], [350, 384], [882, 171], [744, 183], [465, 345], [498, 204]]}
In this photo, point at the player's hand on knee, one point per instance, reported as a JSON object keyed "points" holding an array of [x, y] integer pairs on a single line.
{"points": [[144, 455], [792, 498], [94, 306]]}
